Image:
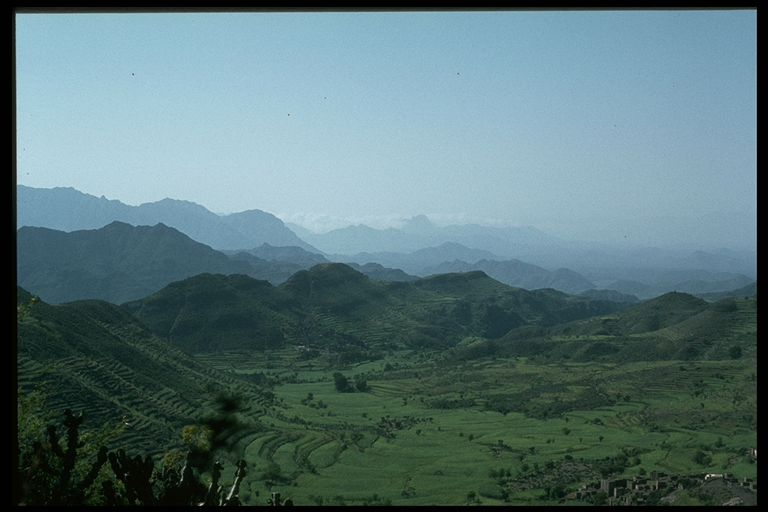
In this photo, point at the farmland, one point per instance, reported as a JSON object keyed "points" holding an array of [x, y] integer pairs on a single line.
{"points": [[427, 433]]}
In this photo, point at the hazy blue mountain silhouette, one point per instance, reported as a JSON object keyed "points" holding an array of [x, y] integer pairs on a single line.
{"points": [[67, 209], [520, 274], [418, 261], [419, 233]]}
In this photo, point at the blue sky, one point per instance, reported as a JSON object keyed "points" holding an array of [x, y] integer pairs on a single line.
{"points": [[591, 125]]}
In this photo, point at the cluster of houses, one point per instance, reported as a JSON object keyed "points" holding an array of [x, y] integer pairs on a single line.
{"points": [[636, 490]]}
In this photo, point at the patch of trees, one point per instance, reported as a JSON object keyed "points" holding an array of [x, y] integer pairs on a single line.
{"points": [[527, 402], [616, 464], [387, 425], [343, 385], [702, 458], [451, 403]]}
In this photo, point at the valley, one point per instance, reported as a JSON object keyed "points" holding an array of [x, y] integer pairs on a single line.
{"points": [[486, 383], [410, 257], [426, 432], [527, 418]]}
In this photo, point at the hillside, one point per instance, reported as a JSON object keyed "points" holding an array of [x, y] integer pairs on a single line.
{"points": [[68, 209], [116, 263], [648, 316], [652, 315], [673, 326], [334, 307], [217, 312], [94, 357]]}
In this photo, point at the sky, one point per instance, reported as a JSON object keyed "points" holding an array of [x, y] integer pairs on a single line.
{"points": [[591, 125]]}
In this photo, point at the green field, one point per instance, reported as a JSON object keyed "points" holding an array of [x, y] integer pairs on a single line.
{"points": [[452, 429]]}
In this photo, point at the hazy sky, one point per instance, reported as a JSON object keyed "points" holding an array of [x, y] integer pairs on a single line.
{"points": [[589, 124]]}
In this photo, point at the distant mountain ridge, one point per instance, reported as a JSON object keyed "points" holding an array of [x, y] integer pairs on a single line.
{"points": [[656, 282], [120, 262], [418, 262], [601, 263], [520, 274], [68, 209], [289, 254], [414, 247], [419, 233]]}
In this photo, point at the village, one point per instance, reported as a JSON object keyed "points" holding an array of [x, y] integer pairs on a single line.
{"points": [[661, 488]]}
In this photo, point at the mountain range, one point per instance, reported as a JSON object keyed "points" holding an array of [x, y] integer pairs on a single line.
{"points": [[597, 261], [521, 256], [120, 262], [67, 209], [419, 232]]}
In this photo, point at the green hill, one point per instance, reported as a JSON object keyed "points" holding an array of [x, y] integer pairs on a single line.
{"points": [[95, 357], [211, 312], [649, 316], [673, 326], [334, 307], [655, 314]]}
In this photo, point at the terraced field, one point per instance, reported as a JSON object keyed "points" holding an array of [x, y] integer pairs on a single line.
{"points": [[88, 358], [426, 434]]}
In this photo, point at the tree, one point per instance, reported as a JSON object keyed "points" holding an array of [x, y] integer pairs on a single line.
{"points": [[361, 383], [702, 458], [341, 383], [600, 498], [735, 352]]}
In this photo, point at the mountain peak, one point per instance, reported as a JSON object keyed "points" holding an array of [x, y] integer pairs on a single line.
{"points": [[418, 223], [118, 224]]}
